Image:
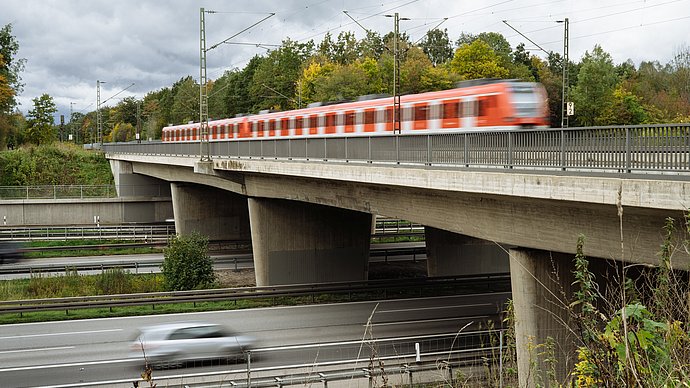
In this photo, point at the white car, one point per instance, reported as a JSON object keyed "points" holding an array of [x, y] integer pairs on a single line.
{"points": [[175, 343]]}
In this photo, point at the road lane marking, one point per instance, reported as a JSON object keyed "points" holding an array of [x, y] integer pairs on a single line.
{"points": [[36, 350], [429, 320], [434, 308], [63, 333]]}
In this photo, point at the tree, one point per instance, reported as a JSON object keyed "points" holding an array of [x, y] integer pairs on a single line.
{"points": [[477, 60], [625, 109], [436, 45], [40, 125], [185, 106], [186, 264], [596, 82], [10, 66]]}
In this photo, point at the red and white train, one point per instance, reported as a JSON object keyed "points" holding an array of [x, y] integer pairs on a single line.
{"points": [[481, 106]]}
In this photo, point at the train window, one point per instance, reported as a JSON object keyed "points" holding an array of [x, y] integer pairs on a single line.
{"points": [[340, 118], [322, 121], [450, 110], [380, 116], [272, 125], [434, 112], [421, 112], [313, 122], [330, 120], [284, 124], [349, 118], [388, 115], [292, 124], [236, 128], [369, 116], [298, 123]]}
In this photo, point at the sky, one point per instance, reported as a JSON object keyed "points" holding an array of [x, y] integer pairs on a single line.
{"points": [[139, 46]]}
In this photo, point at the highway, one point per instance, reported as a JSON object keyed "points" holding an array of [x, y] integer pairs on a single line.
{"points": [[79, 352], [149, 263]]}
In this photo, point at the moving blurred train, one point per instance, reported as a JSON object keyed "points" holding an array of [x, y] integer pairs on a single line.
{"points": [[479, 105]]}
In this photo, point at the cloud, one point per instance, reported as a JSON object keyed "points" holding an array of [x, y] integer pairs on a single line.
{"points": [[69, 44]]}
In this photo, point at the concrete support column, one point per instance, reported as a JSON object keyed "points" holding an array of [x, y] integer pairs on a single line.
{"points": [[129, 184], [295, 242], [539, 281], [215, 213], [449, 253]]}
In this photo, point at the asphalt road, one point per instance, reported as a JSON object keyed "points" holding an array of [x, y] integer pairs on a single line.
{"points": [[79, 352]]}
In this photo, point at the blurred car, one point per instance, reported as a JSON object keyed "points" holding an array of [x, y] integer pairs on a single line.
{"points": [[175, 343], [11, 252]]}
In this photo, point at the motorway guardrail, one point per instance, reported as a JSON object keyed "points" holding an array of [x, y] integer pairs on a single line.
{"points": [[489, 281]]}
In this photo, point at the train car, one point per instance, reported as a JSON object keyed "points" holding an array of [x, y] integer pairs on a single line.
{"points": [[474, 106]]}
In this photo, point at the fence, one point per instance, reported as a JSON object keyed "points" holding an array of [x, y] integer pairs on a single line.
{"points": [[619, 149]]}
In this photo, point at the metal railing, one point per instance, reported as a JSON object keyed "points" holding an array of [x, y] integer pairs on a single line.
{"points": [[489, 282], [76, 191], [151, 232], [616, 149]]}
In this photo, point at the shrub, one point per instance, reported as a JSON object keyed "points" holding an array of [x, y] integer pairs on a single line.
{"points": [[114, 281], [186, 264]]}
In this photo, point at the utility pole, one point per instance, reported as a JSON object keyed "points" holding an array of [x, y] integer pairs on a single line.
{"points": [[71, 123], [204, 148], [564, 98], [138, 133], [396, 72], [99, 119]]}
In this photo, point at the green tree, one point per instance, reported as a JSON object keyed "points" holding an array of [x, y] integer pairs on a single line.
{"points": [[40, 125], [436, 45], [10, 66], [274, 82], [413, 70], [477, 60], [596, 82], [625, 109], [185, 106], [371, 46], [186, 264], [345, 82]]}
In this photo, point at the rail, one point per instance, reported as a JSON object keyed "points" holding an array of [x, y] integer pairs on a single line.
{"points": [[137, 232], [655, 149], [500, 281]]}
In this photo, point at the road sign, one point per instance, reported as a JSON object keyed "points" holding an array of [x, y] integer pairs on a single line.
{"points": [[570, 108]]}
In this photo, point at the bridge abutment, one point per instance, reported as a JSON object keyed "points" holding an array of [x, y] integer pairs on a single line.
{"points": [[214, 213], [129, 184], [451, 254], [295, 242]]}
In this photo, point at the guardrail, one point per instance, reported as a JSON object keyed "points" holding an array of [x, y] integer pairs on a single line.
{"points": [[613, 149], [151, 232], [79, 191], [486, 281]]}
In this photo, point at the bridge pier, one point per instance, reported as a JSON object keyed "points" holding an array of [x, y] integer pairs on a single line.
{"points": [[449, 254], [539, 281], [295, 242], [214, 213]]}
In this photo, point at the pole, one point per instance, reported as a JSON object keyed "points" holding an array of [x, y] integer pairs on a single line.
{"points": [[71, 119], [396, 76], [204, 149], [564, 103], [99, 119]]}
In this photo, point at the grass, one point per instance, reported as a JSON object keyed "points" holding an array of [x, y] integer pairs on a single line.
{"points": [[85, 252]]}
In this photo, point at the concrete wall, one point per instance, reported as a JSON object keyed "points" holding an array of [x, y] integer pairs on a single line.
{"points": [[214, 213], [296, 242], [82, 211], [129, 184], [450, 254]]}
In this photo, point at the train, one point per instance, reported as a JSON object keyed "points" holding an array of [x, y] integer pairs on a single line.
{"points": [[479, 105]]}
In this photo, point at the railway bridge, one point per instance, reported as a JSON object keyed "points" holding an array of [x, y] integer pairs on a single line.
{"points": [[490, 201]]}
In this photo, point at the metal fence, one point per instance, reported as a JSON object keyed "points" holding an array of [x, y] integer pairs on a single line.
{"points": [[620, 149]]}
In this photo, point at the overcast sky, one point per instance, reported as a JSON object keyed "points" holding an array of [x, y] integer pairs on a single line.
{"points": [[69, 44]]}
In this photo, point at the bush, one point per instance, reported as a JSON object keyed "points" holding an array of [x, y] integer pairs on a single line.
{"points": [[187, 265], [114, 281]]}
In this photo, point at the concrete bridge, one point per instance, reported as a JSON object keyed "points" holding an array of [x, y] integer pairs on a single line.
{"points": [[489, 201]]}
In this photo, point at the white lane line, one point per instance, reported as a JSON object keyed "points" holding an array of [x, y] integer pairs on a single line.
{"points": [[428, 321], [434, 308], [63, 333], [53, 366], [36, 350]]}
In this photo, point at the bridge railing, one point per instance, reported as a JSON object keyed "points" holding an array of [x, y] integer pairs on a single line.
{"points": [[620, 149], [78, 191]]}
